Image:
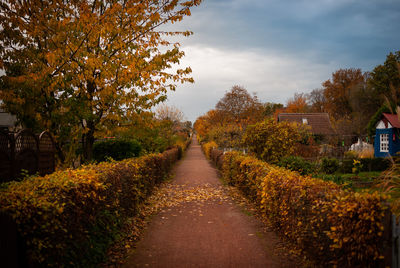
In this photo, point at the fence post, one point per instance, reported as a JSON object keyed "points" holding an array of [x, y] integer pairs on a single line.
{"points": [[395, 249]]}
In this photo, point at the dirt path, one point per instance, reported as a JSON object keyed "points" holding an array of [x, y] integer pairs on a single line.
{"points": [[202, 226]]}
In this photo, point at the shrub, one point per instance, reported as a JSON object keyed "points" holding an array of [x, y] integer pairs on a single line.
{"points": [[346, 166], [367, 153], [329, 165], [375, 164], [350, 155], [207, 147], [116, 149], [70, 217], [334, 178], [270, 140], [245, 173], [227, 136], [216, 156], [335, 226], [296, 163], [306, 150]]}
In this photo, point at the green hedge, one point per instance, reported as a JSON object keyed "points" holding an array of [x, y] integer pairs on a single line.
{"points": [[333, 226], [375, 164], [329, 165], [368, 164], [116, 149], [69, 218], [297, 163]]}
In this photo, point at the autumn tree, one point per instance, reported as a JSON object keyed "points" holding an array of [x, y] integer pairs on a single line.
{"points": [[364, 102], [337, 91], [72, 66], [227, 136], [226, 124], [297, 104], [203, 124], [316, 100], [169, 113], [237, 105], [270, 108]]}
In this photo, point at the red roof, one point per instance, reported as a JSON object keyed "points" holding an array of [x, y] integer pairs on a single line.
{"points": [[393, 119], [319, 122]]}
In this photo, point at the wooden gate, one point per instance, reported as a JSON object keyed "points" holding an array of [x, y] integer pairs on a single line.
{"points": [[25, 153]]}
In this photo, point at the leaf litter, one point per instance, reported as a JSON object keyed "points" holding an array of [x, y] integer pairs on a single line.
{"points": [[167, 195], [163, 198]]}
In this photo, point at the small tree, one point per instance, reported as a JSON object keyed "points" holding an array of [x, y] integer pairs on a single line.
{"points": [[270, 140], [169, 113]]}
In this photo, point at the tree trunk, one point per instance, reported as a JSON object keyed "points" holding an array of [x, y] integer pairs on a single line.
{"points": [[60, 153], [88, 140]]}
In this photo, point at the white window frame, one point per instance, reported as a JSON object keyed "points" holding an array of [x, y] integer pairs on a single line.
{"points": [[384, 143]]}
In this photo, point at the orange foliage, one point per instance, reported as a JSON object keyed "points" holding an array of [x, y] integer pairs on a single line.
{"points": [[338, 90], [297, 104], [335, 226], [81, 63], [65, 217]]}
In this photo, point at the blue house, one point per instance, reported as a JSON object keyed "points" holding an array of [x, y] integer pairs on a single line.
{"points": [[387, 140]]}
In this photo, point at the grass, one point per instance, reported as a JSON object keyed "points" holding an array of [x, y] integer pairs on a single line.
{"points": [[358, 181]]}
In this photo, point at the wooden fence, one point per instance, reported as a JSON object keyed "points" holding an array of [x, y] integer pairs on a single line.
{"points": [[25, 152]]}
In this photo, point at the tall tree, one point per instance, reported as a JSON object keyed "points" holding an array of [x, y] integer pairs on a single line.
{"points": [[239, 106], [316, 100], [337, 91], [170, 113], [270, 108], [213, 118], [364, 101], [385, 79], [76, 64], [297, 104]]}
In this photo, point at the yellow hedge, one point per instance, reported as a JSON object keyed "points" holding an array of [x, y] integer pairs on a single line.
{"points": [[70, 217], [334, 226], [207, 147]]}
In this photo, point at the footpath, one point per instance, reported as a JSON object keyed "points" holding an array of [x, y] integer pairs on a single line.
{"points": [[203, 226]]}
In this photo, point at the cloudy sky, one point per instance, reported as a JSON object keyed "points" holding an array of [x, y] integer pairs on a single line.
{"points": [[278, 47]]}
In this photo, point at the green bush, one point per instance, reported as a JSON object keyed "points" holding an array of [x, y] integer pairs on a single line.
{"points": [[296, 163], [369, 164], [116, 149], [375, 164], [334, 178], [346, 166], [329, 165]]}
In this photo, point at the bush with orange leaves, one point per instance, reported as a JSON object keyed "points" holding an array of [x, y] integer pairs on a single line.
{"points": [[207, 147], [70, 217], [332, 225]]}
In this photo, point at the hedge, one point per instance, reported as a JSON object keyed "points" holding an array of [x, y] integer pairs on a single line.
{"points": [[368, 164], [116, 149], [332, 225], [69, 218], [297, 163], [207, 147]]}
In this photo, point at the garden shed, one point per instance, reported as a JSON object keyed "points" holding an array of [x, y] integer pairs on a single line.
{"points": [[7, 121], [387, 139], [319, 122]]}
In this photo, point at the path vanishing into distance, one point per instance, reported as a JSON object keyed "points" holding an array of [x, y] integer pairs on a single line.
{"points": [[200, 225]]}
